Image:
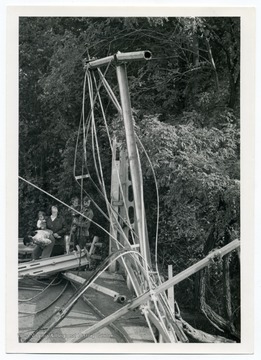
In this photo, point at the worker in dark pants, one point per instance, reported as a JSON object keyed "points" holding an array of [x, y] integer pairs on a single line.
{"points": [[84, 223], [75, 220], [56, 223]]}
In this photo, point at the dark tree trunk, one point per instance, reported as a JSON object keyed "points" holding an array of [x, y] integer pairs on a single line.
{"points": [[226, 289], [195, 50], [234, 88]]}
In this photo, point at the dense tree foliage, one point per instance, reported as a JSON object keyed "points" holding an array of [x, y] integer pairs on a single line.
{"points": [[186, 109]]}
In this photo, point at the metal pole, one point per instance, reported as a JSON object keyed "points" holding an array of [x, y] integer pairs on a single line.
{"points": [[130, 56], [114, 199], [171, 290], [133, 160]]}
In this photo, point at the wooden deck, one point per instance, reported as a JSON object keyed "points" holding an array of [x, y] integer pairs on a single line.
{"points": [[91, 308]]}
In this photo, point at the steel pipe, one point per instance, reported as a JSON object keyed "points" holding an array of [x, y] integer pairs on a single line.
{"points": [[134, 163], [132, 56], [120, 57], [79, 280]]}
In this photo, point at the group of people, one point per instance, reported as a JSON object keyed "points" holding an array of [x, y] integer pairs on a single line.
{"points": [[49, 237]]}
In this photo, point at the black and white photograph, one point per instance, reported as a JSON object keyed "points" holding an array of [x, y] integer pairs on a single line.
{"points": [[129, 181]]}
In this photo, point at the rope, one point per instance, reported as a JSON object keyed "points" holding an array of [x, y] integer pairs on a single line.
{"points": [[27, 300], [96, 205], [46, 307], [100, 176], [110, 92], [132, 232], [104, 117], [143, 217], [119, 180], [108, 204], [157, 196], [85, 133], [39, 281], [143, 227], [117, 105], [117, 242], [109, 207], [88, 125]]}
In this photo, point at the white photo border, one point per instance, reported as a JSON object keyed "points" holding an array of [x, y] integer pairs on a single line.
{"points": [[247, 179]]}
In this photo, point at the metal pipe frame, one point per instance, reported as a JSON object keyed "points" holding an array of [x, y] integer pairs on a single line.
{"points": [[159, 289], [120, 57], [102, 289], [133, 160]]}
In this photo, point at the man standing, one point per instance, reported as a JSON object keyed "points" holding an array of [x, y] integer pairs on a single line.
{"points": [[84, 223], [74, 220]]}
